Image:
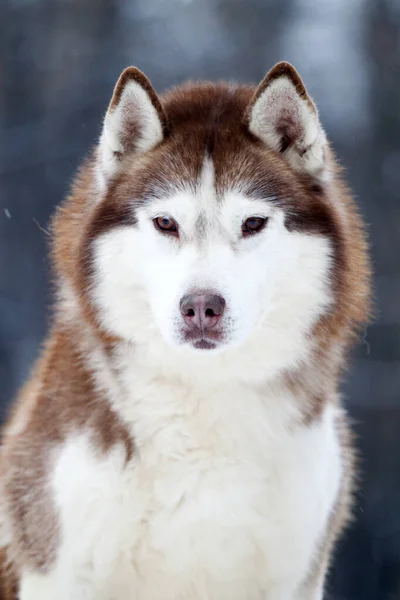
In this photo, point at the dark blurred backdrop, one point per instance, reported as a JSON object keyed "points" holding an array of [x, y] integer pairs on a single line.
{"points": [[59, 60]]}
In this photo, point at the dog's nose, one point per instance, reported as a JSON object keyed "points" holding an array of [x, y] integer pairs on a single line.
{"points": [[202, 311]]}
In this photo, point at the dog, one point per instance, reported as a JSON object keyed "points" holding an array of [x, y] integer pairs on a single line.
{"points": [[182, 434]]}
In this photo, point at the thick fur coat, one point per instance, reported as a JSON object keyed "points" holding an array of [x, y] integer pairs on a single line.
{"points": [[182, 435]]}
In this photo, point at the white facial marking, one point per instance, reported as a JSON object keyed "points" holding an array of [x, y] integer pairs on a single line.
{"points": [[275, 283]]}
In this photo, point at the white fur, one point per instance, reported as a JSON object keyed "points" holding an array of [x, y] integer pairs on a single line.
{"points": [[278, 101], [225, 498]]}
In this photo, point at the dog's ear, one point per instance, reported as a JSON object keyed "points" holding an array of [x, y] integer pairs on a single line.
{"points": [[284, 117], [134, 122]]}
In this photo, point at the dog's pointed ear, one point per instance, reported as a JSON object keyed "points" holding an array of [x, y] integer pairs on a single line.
{"points": [[284, 117], [134, 122]]}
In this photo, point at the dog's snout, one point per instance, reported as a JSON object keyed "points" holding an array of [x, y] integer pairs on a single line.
{"points": [[203, 310]]}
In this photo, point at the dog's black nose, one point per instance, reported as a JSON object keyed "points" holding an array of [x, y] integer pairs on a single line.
{"points": [[202, 310]]}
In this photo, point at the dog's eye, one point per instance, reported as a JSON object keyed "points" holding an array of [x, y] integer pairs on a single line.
{"points": [[166, 225], [253, 225]]}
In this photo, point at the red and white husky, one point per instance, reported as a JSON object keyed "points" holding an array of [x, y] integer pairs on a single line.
{"points": [[182, 436]]}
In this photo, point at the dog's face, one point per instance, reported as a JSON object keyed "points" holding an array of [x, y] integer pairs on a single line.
{"points": [[212, 235]]}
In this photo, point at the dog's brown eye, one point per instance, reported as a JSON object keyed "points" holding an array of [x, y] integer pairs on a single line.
{"points": [[253, 225], [166, 225]]}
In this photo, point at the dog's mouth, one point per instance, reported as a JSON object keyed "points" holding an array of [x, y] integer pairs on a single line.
{"points": [[204, 344], [203, 340]]}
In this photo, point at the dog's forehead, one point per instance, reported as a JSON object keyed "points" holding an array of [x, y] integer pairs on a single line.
{"points": [[196, 203], [201, 182], [208, 147], [204, 205]]}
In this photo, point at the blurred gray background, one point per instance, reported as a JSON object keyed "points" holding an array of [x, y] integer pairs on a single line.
{"points": [[59, 60]]}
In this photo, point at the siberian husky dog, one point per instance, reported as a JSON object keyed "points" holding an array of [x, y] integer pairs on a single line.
{"points": [[182, 436]]}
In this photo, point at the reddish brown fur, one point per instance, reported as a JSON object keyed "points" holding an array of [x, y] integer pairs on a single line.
{"points": [[61, 394], [8, 579], [66, 400]]}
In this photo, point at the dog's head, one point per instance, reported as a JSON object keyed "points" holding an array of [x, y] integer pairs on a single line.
{"points": [[211, 227]]}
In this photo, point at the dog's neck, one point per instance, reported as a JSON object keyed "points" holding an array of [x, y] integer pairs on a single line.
{"points": [[127, 373]]}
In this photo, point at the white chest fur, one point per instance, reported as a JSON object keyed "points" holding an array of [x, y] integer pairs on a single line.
{"points": [[225, 497]]}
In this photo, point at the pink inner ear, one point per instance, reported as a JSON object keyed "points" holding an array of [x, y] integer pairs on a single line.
{"points": [[132, 130], [288, 124], [285, 118]]}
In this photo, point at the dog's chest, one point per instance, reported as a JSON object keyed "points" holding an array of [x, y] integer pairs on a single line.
{"points": [[221, 497]]}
